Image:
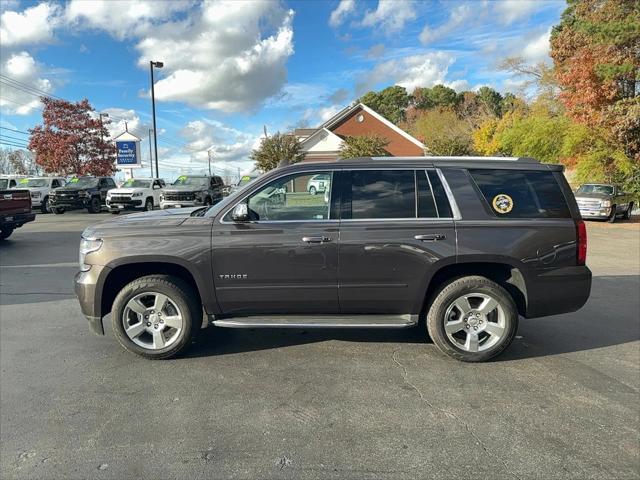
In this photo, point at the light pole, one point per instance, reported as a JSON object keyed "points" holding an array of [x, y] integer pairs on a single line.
{"points": [[153, 109], [106, 115], [150, 153], [209, 152]]}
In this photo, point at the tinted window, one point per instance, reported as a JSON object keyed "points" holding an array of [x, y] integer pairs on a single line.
{"points": [[288, 198], [530, 194], [426, 203], [383, 194]]}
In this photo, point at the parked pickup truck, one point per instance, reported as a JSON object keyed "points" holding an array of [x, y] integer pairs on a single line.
{"points": [[15, 211], [192, 191], [135, 193], [81, 192], [40, 188], [604, 201], [459, 247]]}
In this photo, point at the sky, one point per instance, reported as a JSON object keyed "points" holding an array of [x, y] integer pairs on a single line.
{"points": [[233, 68]]}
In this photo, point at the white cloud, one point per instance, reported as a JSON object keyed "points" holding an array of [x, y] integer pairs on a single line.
{"points": [[423, 70], [33, 25], [122, 18], [537, 49], [228, 144], [390, 15], [344, 8], [510, 11], [118, 117], [223, 59], [23, 68], [457, 17]]}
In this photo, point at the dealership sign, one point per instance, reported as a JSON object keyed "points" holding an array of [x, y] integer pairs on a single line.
{"points": [[128, 151]]}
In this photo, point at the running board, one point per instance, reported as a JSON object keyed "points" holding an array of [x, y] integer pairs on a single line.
{"points": [[319, 321]]}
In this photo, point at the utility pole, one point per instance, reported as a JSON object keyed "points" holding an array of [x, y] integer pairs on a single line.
{"points": [[153, 108], [209, 155], [101, 130], [150, 153]]}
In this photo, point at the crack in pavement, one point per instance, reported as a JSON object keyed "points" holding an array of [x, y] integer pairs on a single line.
{"points": [[450, 415]]}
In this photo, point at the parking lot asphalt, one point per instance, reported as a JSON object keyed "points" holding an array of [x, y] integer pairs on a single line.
{"points": [[562, 402]]}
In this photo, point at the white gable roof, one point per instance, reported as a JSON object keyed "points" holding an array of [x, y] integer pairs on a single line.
{"points": [[322, 140], [347, 111]]}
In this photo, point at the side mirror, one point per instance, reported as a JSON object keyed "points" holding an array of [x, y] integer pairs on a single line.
{"points": [[240, 213], [156, 186]]}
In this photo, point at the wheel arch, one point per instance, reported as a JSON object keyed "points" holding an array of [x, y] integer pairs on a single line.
{"points": [[508, 276]]}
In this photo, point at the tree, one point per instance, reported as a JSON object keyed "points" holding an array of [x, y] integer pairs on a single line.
{"points": [[443, 132], [491, 99], [22, 162], [364, 146], [539, 77], [276, 149], [596, 53], [72, 140], [436, 96], [391, 102]]}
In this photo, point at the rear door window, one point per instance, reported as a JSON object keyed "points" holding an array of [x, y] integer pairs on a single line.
{"points": [[521, 193]]}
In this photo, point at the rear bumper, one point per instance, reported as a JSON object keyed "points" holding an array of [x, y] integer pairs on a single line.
{"points": [[16, 220], [88, 289], [561, 290]]}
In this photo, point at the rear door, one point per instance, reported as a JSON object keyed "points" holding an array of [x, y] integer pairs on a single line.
{"points": [[285, 259], [396, 225]]}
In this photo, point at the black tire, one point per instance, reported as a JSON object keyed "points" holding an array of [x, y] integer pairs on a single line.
{"points": [[58, 210], [5, 233], [612, 216], [454, 290], [94, 205], [115, 212], [627, 214], [312, 190], [44, 207], [178, 292], [148, 205]]}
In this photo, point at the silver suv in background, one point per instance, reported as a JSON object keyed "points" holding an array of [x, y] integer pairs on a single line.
{"points": [[192, 191]]}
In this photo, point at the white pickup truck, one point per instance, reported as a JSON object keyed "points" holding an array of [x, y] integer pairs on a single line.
{"points": [[39, 189], [135, 193]]}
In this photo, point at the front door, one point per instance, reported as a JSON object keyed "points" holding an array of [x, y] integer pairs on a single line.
{"points": [[395, 227], [285, 259]]}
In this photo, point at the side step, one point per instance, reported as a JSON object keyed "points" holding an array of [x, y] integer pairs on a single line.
{"points": [[320, 321]]}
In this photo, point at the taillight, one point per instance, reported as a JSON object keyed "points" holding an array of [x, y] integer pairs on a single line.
{"points": [[581, 231]]}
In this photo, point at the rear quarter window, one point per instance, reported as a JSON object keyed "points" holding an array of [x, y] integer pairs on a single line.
{"points": [[521, 193]]}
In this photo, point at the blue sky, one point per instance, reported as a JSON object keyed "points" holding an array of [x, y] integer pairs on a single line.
{"points": [[233, 67]]}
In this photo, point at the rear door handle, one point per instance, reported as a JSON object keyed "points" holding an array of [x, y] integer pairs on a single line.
{"points": [[316, 239], [433, 237]]}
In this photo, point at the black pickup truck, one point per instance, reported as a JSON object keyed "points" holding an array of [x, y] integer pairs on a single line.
{"points": [[15, 211]]}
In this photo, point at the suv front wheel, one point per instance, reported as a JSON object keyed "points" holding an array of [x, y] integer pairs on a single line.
{"points": [[156, 316], [472, 319]]}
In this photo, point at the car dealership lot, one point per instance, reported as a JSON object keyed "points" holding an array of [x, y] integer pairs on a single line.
{"points": [[560, 403]]}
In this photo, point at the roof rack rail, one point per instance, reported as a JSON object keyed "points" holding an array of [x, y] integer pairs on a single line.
{"points": [[464, 158]]}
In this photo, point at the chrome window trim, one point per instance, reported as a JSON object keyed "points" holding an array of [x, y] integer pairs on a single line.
{"points": [[452, 200], [447, 189], [433, 197]]}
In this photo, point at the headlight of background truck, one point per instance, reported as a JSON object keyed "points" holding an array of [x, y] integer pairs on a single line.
{"points": [[137, 194], [87, 246], [605, 203]]}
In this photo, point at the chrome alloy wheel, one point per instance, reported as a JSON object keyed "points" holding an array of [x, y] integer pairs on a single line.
{"points": [[152, 320], [475, 322]]}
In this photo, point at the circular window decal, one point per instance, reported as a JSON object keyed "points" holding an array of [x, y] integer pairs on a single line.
{"points": [[502, 203]]}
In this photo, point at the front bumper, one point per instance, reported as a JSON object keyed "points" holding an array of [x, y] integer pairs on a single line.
{"points": [[561, 290], [88, 288], [595, 212], [69, 203], [124, 204], [180, 203], [16, 220]]}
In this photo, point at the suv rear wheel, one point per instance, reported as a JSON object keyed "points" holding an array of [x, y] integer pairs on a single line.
{"points": [[472, 319], [156, 316]]}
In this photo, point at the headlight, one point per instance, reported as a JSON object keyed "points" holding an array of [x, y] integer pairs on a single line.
{"points": [[137, 194], [161, 197], [605, 203], [87, 246], [83, 193], [52, 193], [35, 194]]}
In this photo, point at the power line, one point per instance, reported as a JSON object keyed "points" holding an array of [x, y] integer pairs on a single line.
{"points": [[6, 142], [12, 138], [14, 130]]}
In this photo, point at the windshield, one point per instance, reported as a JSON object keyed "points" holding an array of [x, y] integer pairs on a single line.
{"points": [[604, 189], [83, 182], [136, 183], [33, 182], [191, 181], [245, 179]]}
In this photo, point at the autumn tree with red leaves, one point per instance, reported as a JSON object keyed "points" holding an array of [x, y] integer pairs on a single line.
{"points": [[72, 140]]}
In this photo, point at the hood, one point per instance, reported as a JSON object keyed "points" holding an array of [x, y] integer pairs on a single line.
{"points": [[70, 189], [183, 188], [34, 189], [130, 224], [124, 191], [592, 196]]}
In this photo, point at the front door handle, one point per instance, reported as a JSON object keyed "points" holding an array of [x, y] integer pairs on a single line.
{"points": [[316, 239], [433, 237]]}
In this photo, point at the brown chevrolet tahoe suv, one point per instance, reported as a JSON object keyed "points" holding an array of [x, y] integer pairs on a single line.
{"points": [[466, 244]]}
